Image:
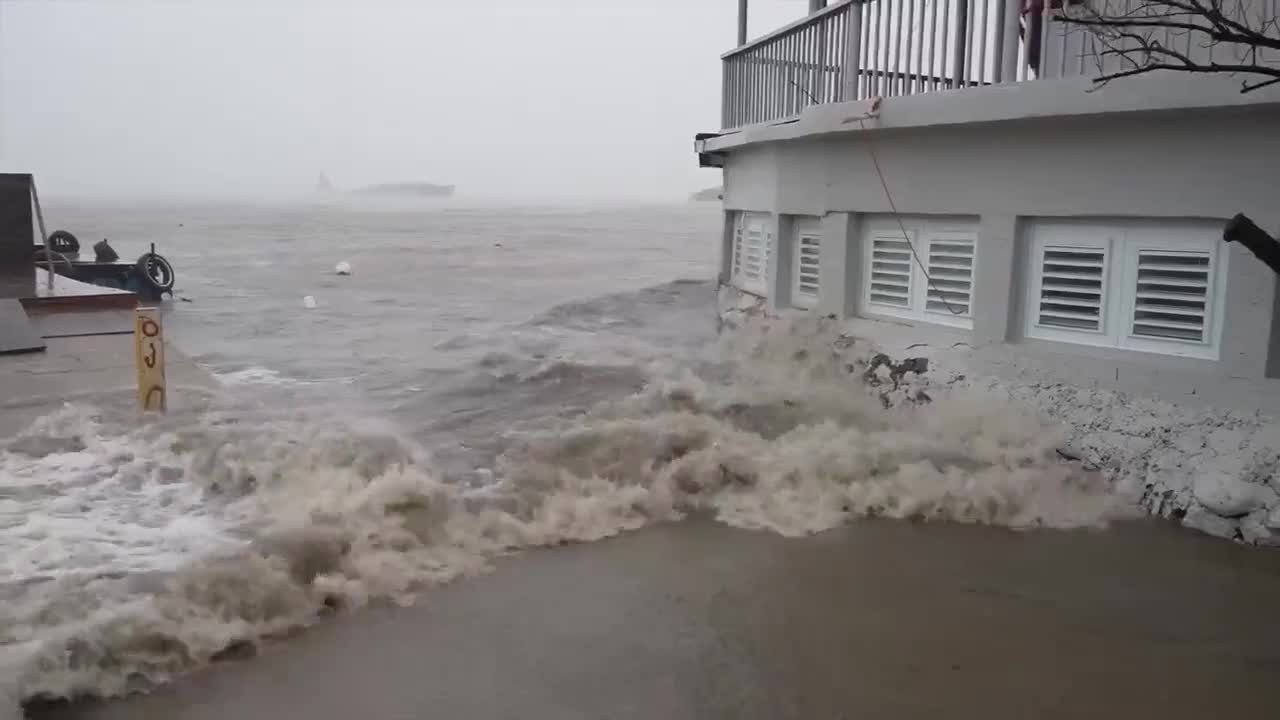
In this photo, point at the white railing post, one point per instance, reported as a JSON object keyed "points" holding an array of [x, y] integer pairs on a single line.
{"points": [[816, 5], [742, 22], [852, 52], [1007, 41], [819, 59], [1046, 20], [725, 84]]}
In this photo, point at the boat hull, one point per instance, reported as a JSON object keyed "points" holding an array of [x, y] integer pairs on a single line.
{"points": [[118, 275]]}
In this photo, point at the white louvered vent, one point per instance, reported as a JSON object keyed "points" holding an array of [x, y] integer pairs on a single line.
{"points": [[1172, 293], [752, 259], [950, 276], [753, 254], [1072, 288], [737, 247], [808, 263], [890, 271]]}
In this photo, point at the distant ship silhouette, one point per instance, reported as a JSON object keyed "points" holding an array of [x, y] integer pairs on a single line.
{"points": [[402, 189]]}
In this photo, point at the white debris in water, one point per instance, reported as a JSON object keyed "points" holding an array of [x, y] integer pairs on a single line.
{"points": [[309, 302], [342, 268], [1227, 493], [1198, 518], [1260, 528]]}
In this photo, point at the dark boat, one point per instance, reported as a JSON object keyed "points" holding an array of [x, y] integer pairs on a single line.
{"points": [[150, 277]]}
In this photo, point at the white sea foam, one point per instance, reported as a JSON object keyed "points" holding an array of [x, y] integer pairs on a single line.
{"points": [[137, 549], [266, 376]]}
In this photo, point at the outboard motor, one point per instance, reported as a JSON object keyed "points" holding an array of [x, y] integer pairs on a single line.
{"points": [[104, 253]]}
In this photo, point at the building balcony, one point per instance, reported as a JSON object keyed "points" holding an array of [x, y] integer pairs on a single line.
{"points": [[909, 63]]}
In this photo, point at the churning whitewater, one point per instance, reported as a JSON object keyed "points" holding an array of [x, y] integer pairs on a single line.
{"points": [[137, 549]]}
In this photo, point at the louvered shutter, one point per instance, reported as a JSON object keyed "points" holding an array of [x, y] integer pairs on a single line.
{"points": [[1172, 294], [1072, 288], [891, 270], [950, 290]]}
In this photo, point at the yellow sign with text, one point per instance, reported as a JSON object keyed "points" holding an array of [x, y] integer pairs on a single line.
{"points": [[148, 338]]}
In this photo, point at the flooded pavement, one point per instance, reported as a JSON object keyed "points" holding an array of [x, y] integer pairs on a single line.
{"points": [[877, 619], [407, 433]]}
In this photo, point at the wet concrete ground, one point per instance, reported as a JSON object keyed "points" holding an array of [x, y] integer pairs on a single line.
{"points": [[74, 368], [879, 620]]}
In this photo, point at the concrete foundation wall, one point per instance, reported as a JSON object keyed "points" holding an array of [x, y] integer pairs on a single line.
{"points": [[1192, 165]]}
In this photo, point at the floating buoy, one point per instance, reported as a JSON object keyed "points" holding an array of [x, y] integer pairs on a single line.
{"points": [[342, 268], [309, 302]]}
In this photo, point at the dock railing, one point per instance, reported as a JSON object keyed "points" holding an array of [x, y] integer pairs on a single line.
{"points": [[858, 49]]}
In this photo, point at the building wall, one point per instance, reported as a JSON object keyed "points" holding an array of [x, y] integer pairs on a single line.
{"points": [[1205, 165], [1192, 438]]}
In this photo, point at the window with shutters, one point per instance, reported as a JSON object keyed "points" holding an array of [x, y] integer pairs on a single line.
{"points": [[1138, 285], [806, 263], [751, 247], [949, 289], [921, 268]]}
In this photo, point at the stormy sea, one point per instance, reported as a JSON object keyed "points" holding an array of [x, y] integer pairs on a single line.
{"points": [[487, 380]]}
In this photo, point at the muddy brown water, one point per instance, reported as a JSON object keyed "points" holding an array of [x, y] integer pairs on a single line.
{"points": [[880, 619]]}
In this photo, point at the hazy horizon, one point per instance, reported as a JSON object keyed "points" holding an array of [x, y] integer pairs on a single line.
{"points": [[561, 100]]}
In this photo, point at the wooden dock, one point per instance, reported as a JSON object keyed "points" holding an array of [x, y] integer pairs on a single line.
{"points": [[87, 368], [68, 294]]}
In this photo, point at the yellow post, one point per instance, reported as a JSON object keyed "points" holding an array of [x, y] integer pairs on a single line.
{"points": [[148, 338]]}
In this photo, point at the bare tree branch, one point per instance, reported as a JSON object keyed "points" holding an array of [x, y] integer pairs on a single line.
{"points": [[1247, 87], [1134, 37], [1250, 40]]}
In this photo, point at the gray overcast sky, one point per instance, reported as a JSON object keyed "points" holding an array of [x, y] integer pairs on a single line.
{"points": [[505, 98]]}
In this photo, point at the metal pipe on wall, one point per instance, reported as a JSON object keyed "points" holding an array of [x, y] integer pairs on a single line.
{"points": [[852, 54], [1007, 40], [961, 51]]}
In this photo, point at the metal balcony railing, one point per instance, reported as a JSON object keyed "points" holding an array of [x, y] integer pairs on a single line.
{"points": [[858, 49], [780, 74]]}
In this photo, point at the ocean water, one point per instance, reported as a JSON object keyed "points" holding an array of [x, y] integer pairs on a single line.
{"points": [[487, 380]]}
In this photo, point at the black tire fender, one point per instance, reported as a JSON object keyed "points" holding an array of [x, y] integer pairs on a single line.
{"points": [[156, 272], [63, 242]]}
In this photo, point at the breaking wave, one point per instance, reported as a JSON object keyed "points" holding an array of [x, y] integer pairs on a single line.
{"points": [[266, 376], [163, 545]]}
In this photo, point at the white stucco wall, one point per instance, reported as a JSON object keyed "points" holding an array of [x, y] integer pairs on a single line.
{"points": [[1194, 164]]}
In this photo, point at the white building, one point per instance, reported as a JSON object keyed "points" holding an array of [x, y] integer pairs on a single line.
{"points": [[922, 170]]}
